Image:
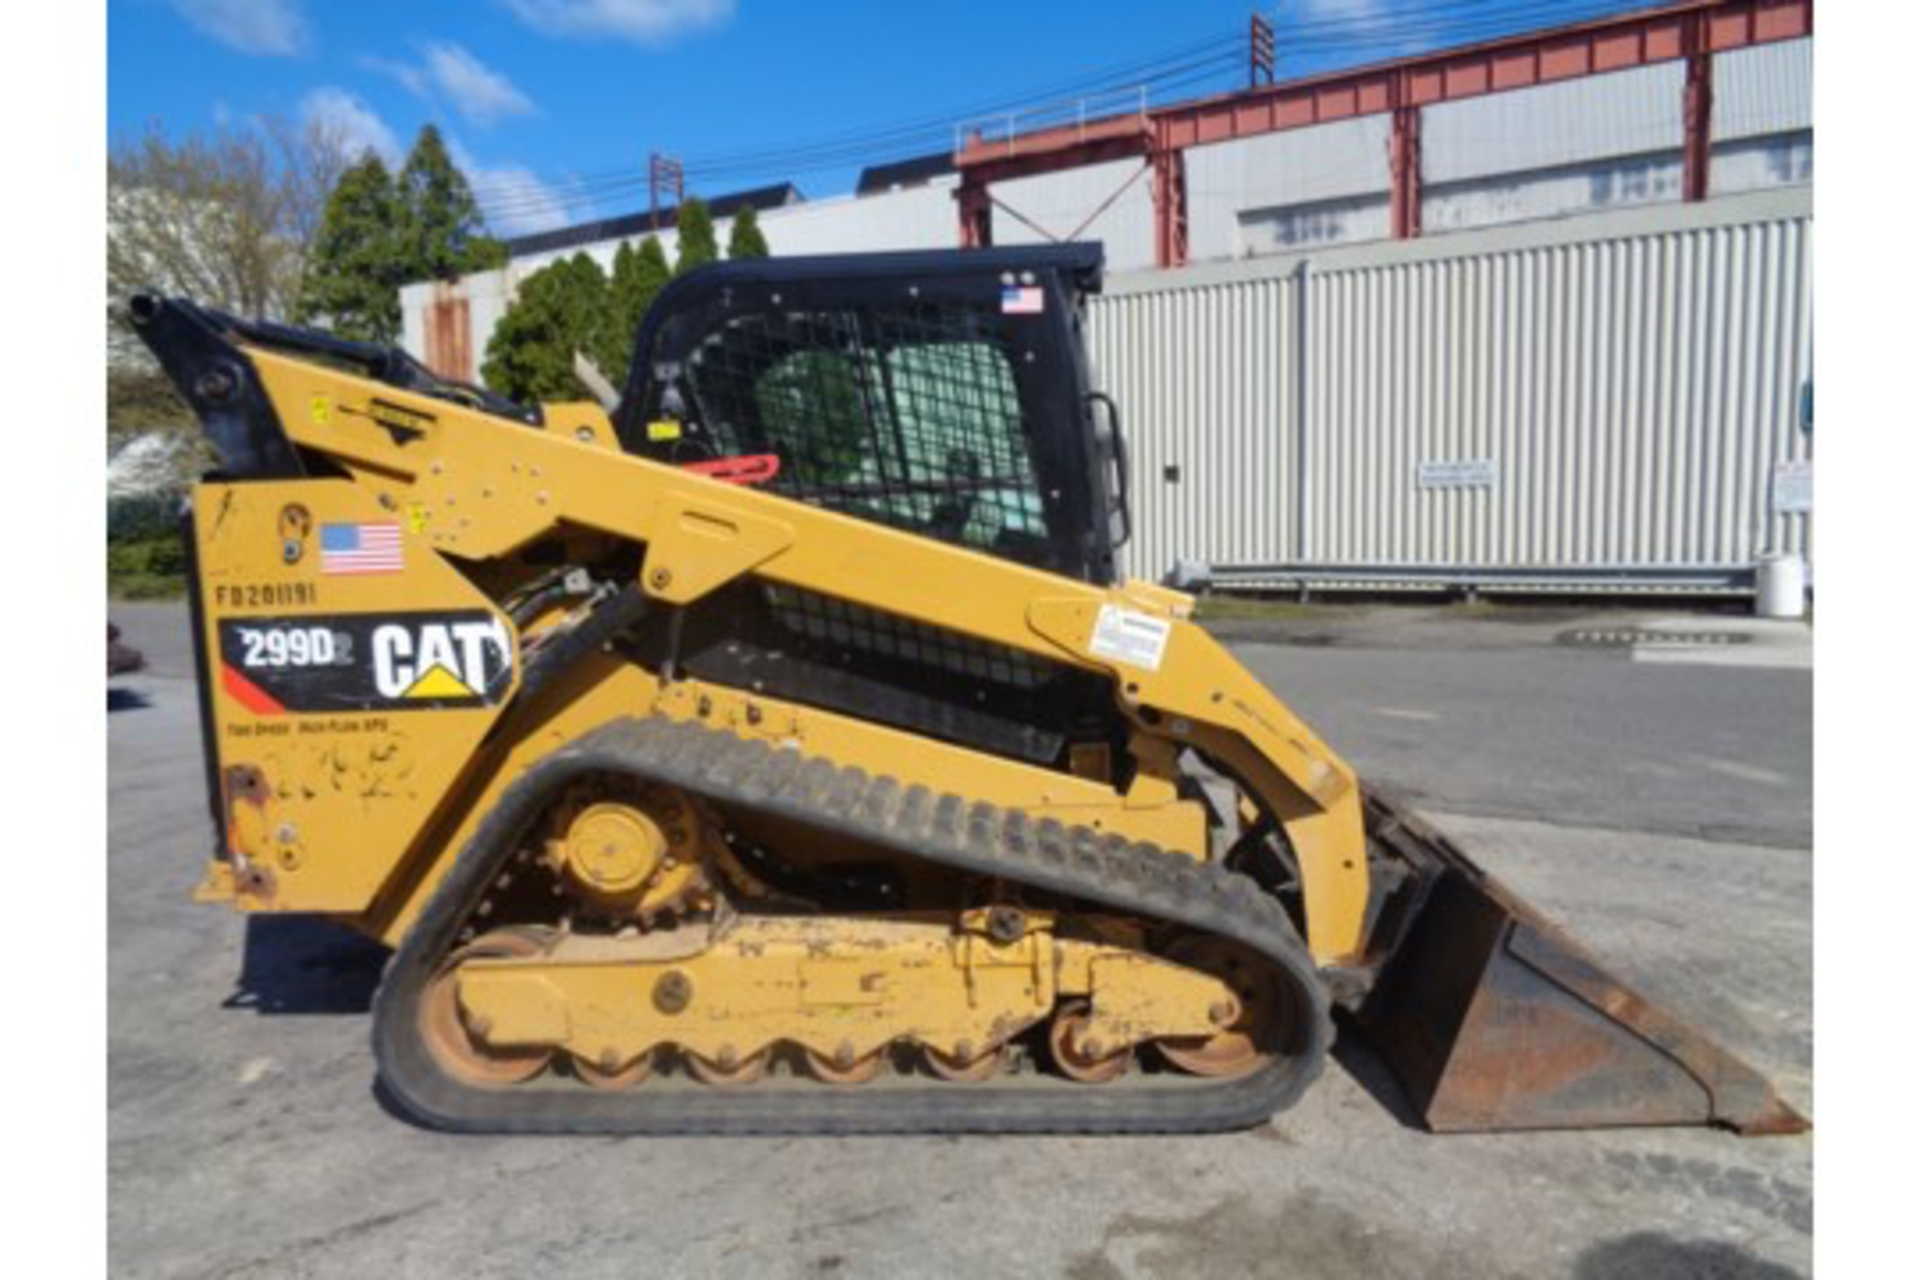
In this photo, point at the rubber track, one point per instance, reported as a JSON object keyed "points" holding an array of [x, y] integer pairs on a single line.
{"points": [[976, 837]]}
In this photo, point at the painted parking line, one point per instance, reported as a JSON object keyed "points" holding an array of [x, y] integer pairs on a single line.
{"points": [[1781, 657]]}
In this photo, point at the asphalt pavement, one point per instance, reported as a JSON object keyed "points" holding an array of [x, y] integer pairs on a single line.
{"points": [[1645, 778]]}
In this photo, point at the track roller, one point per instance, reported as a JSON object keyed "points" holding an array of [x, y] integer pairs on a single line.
{"points": [[843, 1067], [731, 1073], [1077, 1057]]}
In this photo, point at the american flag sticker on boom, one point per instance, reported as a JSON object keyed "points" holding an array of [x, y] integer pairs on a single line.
{"points": [[361, 548]]}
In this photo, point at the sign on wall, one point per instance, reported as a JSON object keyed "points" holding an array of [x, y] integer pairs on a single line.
{"points": [[1457, 473], [1793, 487]]}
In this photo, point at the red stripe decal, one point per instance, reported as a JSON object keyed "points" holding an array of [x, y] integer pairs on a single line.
{"points": [[248, 694]]}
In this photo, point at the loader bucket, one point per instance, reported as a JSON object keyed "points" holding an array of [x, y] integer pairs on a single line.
{"points": [[1493, 1018]]}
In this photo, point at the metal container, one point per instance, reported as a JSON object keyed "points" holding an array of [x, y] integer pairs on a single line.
{"points": [[1781, 587]]}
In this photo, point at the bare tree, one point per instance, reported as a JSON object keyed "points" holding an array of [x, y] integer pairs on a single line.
{"points": [[227, 218]]}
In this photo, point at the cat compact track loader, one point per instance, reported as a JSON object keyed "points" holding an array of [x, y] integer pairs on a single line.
{"points": [[783, 750]]}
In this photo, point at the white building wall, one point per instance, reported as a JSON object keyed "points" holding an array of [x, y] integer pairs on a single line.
{"points": [[1576, 122], [487, 302], [1762, 90], [1294, 228], [414, 301], [1756, 164], [1261, 195], [1061, 203], [603, 251], [1555, 193], [913, 218]]}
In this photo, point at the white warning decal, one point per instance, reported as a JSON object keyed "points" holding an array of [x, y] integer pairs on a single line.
{"points": [[1137, 639]]}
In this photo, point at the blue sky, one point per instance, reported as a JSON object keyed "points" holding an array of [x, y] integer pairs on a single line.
{"points": [[552, 106]]}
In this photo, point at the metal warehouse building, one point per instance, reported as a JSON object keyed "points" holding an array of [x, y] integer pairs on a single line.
{"points": [[1535, 312]]}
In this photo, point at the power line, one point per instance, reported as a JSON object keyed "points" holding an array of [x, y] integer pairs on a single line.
{"points": [[944, 119], [891, 141], [943, 133], [793, 160], [1338, 35], [1341, 39]]}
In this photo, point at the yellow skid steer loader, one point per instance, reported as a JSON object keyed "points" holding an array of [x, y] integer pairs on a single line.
{"points": [[782, 751]]}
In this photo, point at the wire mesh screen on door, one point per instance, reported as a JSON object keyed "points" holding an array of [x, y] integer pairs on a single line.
{"points": [[910, 417]]}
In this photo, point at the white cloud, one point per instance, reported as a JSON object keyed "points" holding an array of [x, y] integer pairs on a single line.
{"points": [[535, 207], [412, 77], [275, 27], [359, 127], [512, 197], [455, 76], [476, 90], [641, 21]]}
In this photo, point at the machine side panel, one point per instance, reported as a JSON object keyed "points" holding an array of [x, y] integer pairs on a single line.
{"points": [[350, 675]]}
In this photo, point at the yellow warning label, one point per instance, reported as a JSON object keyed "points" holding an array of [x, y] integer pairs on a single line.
{"points": [[438, 682], [664, 430], [322, 411], [417, 514]]}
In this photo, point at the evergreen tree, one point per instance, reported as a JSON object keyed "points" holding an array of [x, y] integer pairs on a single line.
{"points": [[638, 275], [746, 239], [698, 243], [353, 277], [560, 309], [441, 232]]}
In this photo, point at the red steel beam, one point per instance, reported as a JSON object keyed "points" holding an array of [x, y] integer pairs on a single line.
{"points": [[1404, 158], [1169, 206], [976, 215], [1618, 43], [1125, 135], [1697, 113], [1694, 30]]}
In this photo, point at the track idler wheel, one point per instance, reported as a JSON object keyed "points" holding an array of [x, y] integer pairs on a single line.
{"points": [[1078, 1057], [458, 1047], [1249, 1039]]}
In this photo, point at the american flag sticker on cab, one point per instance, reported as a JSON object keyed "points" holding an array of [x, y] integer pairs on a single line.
{"points": [[1022, 300], [361, 548]]}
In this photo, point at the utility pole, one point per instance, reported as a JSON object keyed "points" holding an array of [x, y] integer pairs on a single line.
{"points": [[1259, 52], [664, 174]]}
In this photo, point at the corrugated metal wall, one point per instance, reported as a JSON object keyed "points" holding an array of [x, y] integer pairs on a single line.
{"points": [[1203, 383], [1632, 378]]}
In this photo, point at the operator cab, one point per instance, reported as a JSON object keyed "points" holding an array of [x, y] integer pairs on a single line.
{"points": [[942, 393]]}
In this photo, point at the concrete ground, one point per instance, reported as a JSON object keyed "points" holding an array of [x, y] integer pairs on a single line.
{"points": [[1655, 796]]}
